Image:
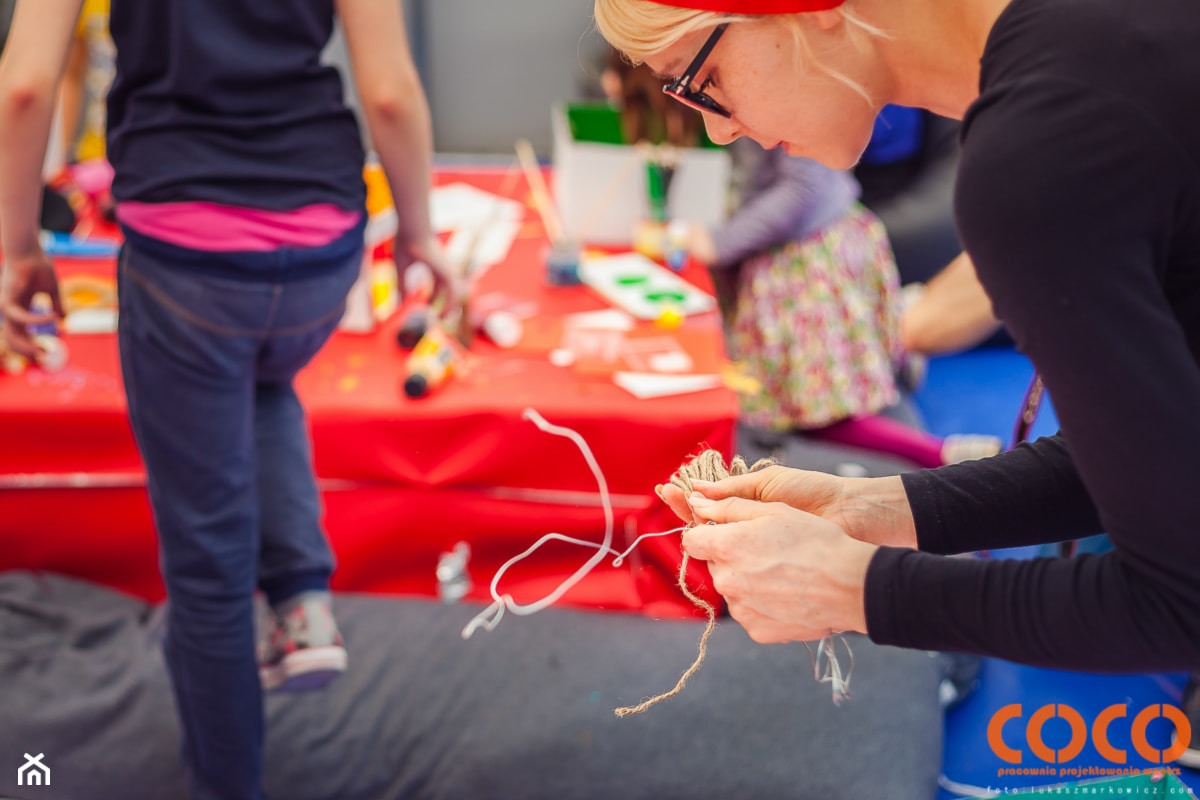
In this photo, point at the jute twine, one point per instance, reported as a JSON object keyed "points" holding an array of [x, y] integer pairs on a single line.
{"points": [[706, 466]]}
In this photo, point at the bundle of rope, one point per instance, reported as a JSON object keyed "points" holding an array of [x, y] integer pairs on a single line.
{"points": [[708, 465]]}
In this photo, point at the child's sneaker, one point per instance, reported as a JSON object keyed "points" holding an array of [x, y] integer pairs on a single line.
{"points": [[960, 447], [303, 649]]}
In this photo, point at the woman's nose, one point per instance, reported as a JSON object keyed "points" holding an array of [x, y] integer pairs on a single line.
{"points": [[720, 130]]}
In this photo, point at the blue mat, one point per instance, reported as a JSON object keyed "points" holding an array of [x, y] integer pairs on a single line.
{"points": [[981, 391]]}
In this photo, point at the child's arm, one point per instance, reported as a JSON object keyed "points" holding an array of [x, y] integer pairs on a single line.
{"points": [[33, 61], [789, 198], [952, 313], [72, 92], [397, 115]]}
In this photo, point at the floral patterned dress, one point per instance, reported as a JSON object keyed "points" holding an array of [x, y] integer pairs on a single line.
{"points": [[816, 322]]}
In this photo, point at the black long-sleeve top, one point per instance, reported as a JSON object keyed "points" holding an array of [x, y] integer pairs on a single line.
{"points": [[1078, 198]]}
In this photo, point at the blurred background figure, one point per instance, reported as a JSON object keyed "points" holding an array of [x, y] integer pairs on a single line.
{"points": [[907, 178], [91, 64], [807, 284]]}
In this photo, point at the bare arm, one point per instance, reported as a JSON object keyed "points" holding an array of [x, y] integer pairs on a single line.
{"points": [[952, 313], [72, 94], [33, 61], [397, 115]]}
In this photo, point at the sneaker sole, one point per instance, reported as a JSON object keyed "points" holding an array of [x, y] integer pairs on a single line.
{"points": [[1190, 757], [305, 670]]}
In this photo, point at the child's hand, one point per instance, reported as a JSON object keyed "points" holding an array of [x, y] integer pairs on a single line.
{"points": [[448, 285], [21, 279], [701, 245]]}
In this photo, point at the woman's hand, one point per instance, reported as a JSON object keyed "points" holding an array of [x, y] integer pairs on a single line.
{"points": [[23, 277], [786, 575], [873, 510]]}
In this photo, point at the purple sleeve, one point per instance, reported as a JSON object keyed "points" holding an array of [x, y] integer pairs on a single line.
{"points": [[788, 199]]}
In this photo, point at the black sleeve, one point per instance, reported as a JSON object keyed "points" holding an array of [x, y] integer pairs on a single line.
{"points": [[1073, 205], [1029, 495]]}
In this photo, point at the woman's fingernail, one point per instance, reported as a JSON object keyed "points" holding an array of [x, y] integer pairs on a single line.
{"points": [[658, 490], [695, 499]]}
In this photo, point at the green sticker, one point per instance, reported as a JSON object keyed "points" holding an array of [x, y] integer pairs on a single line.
{"points": [[666, 297]]}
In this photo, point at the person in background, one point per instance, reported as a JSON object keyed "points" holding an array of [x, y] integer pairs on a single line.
{"points": [[907, 176], [239, 189], [807, 284], [83, 93], [950, 313], [85, 83], [1078, 203], [647, 115], [817, 308]]}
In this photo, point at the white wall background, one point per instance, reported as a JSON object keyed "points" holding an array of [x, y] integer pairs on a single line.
{"points": [[493, 68]]}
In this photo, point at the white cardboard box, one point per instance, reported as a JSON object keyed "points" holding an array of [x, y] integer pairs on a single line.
{"points": [[600, 189]]}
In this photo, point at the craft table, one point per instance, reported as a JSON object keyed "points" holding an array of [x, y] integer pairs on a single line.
{"points": [[402, 480]]}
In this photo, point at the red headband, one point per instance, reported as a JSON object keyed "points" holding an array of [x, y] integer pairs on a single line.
{"points": [[754, 6]]}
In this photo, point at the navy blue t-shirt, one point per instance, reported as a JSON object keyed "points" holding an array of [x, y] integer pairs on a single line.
{"points": [[227, 101]]}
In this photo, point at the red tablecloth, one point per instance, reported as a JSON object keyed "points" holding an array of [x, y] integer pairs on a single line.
{"points": [[402, 480]]}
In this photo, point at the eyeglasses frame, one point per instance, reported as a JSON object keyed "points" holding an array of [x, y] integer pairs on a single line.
{"points": [[681, 88]]}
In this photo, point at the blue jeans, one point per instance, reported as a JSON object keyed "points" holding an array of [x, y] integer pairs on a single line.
{"points": [[208, 364]]}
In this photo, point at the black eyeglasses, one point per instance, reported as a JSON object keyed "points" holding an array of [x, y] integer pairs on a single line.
{"points": [[681, 88]]}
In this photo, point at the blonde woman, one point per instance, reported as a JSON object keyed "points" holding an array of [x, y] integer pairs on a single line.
{"points": [[1078, 200]]}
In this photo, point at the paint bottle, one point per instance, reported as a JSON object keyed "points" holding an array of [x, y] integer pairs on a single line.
{"points": [[677, 241], [503, 328], [431, 362], [562, 264], [54, 353], [453, 579], [42, 304], [417, 320]]}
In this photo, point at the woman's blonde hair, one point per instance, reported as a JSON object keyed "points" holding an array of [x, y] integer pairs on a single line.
{"points": [[641, 28]]}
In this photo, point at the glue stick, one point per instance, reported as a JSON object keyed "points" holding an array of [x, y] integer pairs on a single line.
{"points": [[430, 363], [42, 304], [677, 241]]}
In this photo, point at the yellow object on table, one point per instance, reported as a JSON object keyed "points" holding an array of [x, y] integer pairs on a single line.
{"points": [[670, 317]]}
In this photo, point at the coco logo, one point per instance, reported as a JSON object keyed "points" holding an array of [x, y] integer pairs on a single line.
{"points": [[1079, 733]]}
